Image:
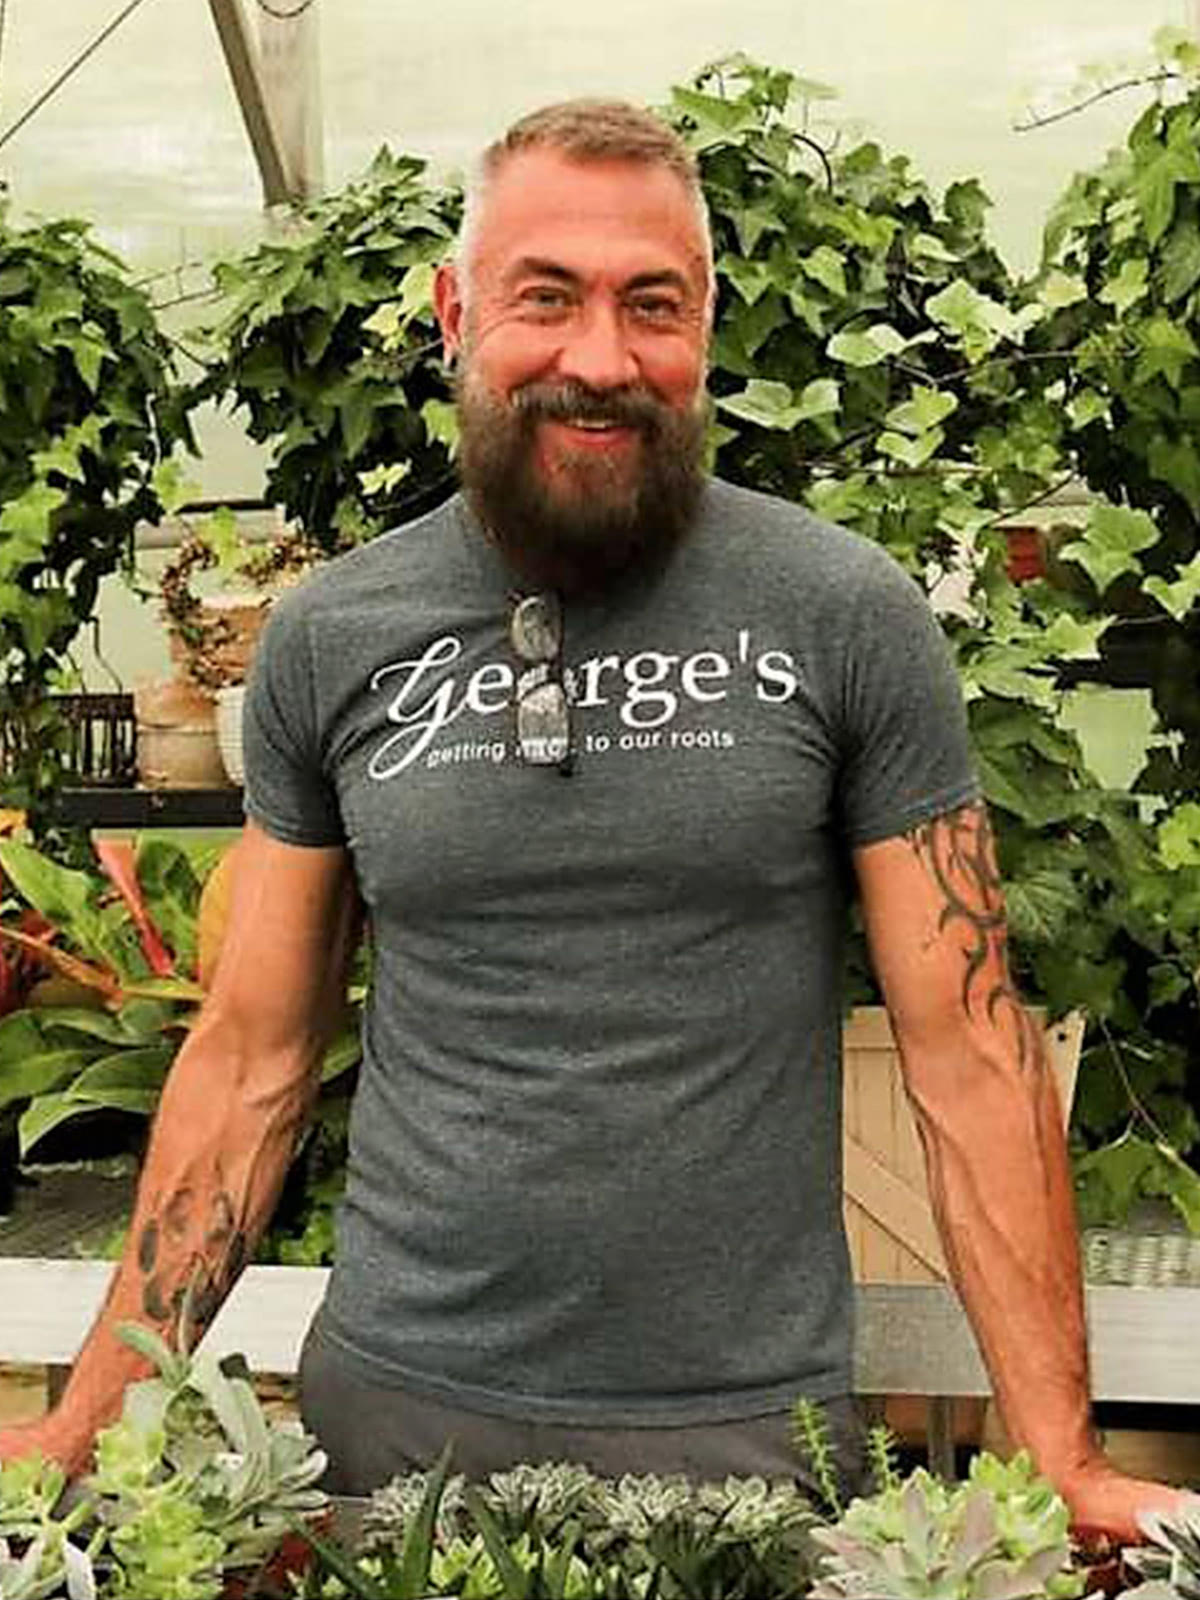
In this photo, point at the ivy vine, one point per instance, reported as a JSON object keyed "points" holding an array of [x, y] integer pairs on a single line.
{"points": [[88, 416]]}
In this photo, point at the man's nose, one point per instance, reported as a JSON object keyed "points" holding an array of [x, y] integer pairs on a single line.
{"points": [[597, 351]]}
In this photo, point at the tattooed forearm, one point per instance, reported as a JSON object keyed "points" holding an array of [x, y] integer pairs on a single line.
{"points": [[189, 1255], [958, 852]]}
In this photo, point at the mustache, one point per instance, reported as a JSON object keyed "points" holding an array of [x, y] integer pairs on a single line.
{"points": [[627, 406]]}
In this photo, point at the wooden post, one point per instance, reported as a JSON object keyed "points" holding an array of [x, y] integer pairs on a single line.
{"points": [[275, 72], [241, 56], [288, 39]]}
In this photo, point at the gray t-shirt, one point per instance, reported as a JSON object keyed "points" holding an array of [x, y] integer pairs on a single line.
{"points": [[595, 1167]]}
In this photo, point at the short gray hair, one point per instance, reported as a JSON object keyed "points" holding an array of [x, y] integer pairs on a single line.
{"points": [[584, 130]]}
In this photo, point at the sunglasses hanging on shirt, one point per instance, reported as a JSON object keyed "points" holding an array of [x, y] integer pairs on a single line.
{"points": [[543, 713]]}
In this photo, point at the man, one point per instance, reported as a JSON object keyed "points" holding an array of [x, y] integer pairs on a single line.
{"points": [[595, 746]]}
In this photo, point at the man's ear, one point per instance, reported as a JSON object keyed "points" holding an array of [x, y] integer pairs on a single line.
{"points": [[448, 307]]}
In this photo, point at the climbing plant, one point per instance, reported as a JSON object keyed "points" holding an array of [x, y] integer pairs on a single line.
{"points": [[88, 418], [326, 342]]}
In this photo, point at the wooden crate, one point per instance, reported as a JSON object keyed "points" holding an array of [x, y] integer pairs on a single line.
{"points": [[889, 1221]]}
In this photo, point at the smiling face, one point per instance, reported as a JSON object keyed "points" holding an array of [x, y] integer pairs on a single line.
{"points": [[581, 332]]}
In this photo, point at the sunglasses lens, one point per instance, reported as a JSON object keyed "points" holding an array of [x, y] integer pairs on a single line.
{"points": [[537, 628], [543, 725]]}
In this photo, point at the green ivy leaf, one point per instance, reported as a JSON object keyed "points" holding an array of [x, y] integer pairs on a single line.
{"points": [[752, 222], [1166, 348], [924, 409], [765, 403], [383, 479], [171, 487], [441, 424], [1111, 542], [1074, 639], [1087, 407], [751, 279], [866, 347], [26, 519], [1179, 836], [826, 266], [911, 452], [1128, 286], [1154, 183], [976, 320], [1061, 289], [1176, 462], [1179, 596], [356, 414], [1181, 261]]}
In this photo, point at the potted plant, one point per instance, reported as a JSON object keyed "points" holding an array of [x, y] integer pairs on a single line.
{"points": [[189, 727], [193, 1494]]}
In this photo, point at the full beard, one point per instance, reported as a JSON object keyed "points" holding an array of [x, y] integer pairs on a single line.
{"points": [[598, 520]]}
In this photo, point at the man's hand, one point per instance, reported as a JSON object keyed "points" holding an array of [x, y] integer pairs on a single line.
{"points": [[47, 1435], [1105, 1501]]}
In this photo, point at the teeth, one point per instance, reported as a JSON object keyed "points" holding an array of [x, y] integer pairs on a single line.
{"points": [[591, 423]]}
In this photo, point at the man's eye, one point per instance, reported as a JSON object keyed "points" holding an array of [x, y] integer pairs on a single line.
{"points": [[655, 308], [545, 297]]}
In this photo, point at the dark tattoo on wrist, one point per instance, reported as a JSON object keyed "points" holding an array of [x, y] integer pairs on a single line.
{"points": [[185, 1286], [958, 852]]}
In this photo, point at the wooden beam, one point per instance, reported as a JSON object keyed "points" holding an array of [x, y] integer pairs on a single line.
{"points": [[910, 1338], [242, 58], [288, 41]]}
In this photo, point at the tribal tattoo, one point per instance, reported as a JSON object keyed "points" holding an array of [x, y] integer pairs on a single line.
{"points": [[958, 852], [186, 1281]]}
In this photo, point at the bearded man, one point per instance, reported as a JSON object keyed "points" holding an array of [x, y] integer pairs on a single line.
{"points": [[601, 746]]}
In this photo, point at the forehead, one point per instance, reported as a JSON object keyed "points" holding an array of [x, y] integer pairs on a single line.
{"points": [[588, 217]]}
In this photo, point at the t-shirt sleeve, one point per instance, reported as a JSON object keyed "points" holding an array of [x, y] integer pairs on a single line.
{"points": [[288, 790], [907, 754]]}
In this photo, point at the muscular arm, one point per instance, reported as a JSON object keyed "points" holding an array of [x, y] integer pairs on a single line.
{"points": [[233, 1106], [991, 1125]]}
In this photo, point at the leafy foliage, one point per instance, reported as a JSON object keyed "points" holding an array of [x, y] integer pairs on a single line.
{"points": [[327, 342], [191, 1484], [101, 1030], [89, 416], [1126, 237]]}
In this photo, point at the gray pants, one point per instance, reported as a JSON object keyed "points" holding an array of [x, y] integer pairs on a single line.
{"points": [[373, 1432]]}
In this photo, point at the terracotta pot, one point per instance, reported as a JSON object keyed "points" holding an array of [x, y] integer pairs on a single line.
{"points": [[243, 616], [177, 745]]}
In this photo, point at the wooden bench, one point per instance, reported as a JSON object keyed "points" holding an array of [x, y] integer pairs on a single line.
{"points": [[911, 1338]]}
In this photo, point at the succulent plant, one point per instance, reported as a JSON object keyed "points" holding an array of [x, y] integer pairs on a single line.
{"points": [[190, 1484], [560, 1524], [1170, 1562], [1002, 1535]]}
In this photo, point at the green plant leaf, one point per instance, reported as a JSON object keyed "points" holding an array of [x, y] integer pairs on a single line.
{"points": [[441, 424], [1179, 836], [1154, 183], [1061, 289], [1177, 462], [911, 452], [826, 266], [412, 1574], [868, 347], [765, 403], [39, 1074], [923, 410], [1128, 286], [1167, 347], [1086, 407], [1112, 541], [1180, 595], [43, 1115]]}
